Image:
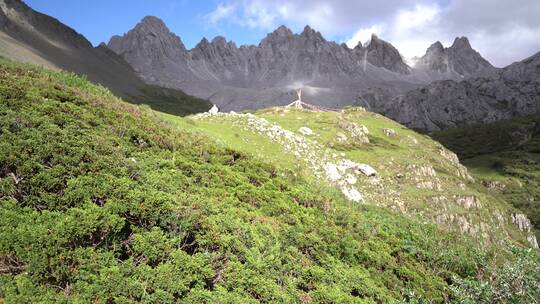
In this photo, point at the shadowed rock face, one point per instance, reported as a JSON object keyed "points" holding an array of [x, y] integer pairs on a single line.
{"points": [[150, 44]]}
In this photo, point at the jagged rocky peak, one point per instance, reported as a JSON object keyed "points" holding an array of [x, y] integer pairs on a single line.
{"points": [[219, 41], [152, 23], [150, 32], [203, 43], [461, 43], [310, 33], [282, 31], [279, 36], [459, 59], [466, 60], [436, 47], [383, 54], [435, 58]]}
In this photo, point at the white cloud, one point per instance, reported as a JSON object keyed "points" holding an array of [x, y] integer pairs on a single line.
{"points": [[364, 34], [408, 30], [222, 11], [503, 31], [418, 17]]}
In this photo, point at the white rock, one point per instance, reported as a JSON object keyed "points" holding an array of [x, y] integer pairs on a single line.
{"points": [[367, 169], [350, 179], [332, 172], [521, 221], [352, 194], [305, 131], [532, 240], [389, 132]]}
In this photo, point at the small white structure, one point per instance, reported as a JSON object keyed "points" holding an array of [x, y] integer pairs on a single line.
{"points": [[299, 104], [214, 110]]}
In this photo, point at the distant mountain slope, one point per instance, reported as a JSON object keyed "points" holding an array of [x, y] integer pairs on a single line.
{"points": [[510, 92], [29, 36], [105, 202]]}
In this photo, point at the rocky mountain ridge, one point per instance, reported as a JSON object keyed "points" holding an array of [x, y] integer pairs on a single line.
{"points": [[256, 76]]}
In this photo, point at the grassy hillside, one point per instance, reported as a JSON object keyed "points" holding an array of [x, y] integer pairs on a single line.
{"points": [[106, 202], [505, 156], [416, 176]]}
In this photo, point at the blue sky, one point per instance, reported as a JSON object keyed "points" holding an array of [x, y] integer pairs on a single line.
{"points": [[98, 20], [503, 31]]}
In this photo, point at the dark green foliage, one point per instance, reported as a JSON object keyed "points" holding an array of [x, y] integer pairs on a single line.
{"points": [[102, 202], [171, 101], [515, 281]]}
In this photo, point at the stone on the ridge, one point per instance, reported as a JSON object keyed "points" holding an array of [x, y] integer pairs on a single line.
{"points": [[389, 132], [352, 194], [332, 172], [367, 169], [305, 131]]}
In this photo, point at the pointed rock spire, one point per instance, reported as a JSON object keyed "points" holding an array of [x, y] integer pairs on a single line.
{"points": [[282, 31], [461, 43], [149, 31], [219, 41], [383, 54]]}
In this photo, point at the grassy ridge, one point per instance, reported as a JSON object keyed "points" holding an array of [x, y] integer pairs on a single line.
{"points": [[397, 159], [102, 201]]}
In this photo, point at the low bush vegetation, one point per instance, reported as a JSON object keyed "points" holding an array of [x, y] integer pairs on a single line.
{"points": [[103, 202]]}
